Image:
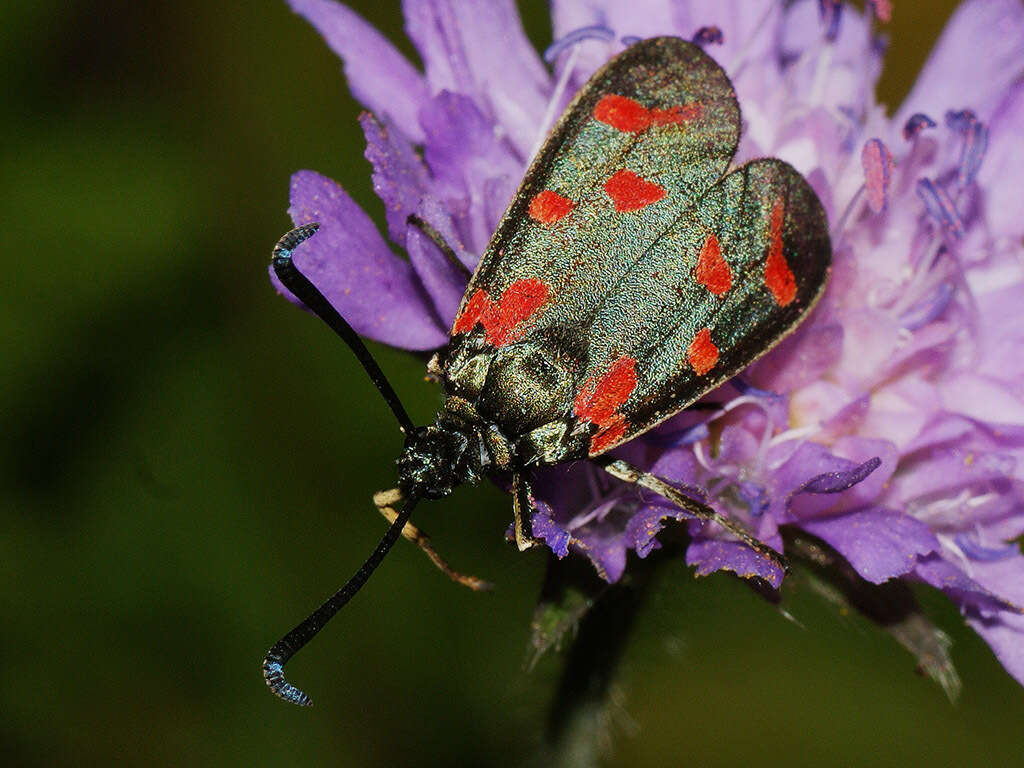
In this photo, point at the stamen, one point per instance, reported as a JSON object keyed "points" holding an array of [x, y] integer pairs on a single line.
{"points": [[755, 497], [831, 12], [876, 159], [960, 120], [940, 207], [972, 153], [593, 32], [796, 433], [708, 36], [929, 308], [882, 9], [834, 482], [977, 551], [746, 388], [915, 124]]}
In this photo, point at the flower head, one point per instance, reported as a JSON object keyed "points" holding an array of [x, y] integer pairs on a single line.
{"points": [[890, 426]]}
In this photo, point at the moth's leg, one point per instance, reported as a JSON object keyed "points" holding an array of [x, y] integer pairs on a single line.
{"points": [[630, 474], [386, 501], [523, 509], [438, 239]]}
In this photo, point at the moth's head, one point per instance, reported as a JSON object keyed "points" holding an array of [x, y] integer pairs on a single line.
{"points": [[431, 463]]}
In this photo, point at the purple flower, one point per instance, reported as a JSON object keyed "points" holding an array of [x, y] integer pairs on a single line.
{"points": [[891, 424]]}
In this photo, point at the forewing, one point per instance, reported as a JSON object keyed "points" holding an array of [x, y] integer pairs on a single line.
{"points": [[626, 256], [643, 139], [734, 275]]}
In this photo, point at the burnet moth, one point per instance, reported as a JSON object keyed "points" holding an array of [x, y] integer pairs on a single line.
{"points": [[630, 275]]}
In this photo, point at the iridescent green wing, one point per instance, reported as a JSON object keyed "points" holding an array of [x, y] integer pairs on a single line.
{"points": [[732, 277], [640, 143]]}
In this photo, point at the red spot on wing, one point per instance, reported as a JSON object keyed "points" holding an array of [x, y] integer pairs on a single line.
{"points": [[608, 435], [624, 114], [684, 113], [702, 352], [778, 277], [547, 207], [630, 192], [518, 302], [479, 304], [502, 319], [599, 400], [712, 270]]}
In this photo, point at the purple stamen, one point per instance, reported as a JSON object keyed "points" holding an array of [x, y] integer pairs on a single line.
{"points": [[593, 32], [708, 36], [754, 496], [628, 40], [928, 308], [915, 124], [940, 207], [882, 9], [746, 388], [876, 159], [834, 482], [831, 12], [977, 551], [960, 120], [972, 153]]}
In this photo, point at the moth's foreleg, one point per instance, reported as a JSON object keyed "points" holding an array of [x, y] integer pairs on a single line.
{"points": [[386, 501], [630, 474]]}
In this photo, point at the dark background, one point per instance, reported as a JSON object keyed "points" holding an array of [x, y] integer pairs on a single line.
{"points": [[188, 461]]}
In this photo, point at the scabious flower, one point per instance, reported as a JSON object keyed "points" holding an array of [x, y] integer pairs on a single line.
{"points": [[890, 426]]}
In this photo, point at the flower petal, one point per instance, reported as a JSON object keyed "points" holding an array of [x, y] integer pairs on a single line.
{"points": [[380, 77], [355, 270], [710, 555], [466, 160], [480, 49], [1005, 636], [878, 543], [977, 58], [399, 176], [442, 280], [1004, 166]]}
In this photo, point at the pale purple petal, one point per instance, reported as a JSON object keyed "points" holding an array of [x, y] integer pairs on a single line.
{"points": [[947, 471], [399, 176], [978, 56], [466, 160], [1003, 168], [481, 49], [350, 263], [879, 543], [442, 280], [1005, 635], [643, 19], [799, 359], [949, 578], [380, 77]]}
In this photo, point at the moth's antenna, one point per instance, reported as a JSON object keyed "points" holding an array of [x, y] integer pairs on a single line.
{"points": [[291, 643], [307, 293]]}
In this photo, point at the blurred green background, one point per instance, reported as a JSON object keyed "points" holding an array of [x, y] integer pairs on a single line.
{"points": [[188, 461]]}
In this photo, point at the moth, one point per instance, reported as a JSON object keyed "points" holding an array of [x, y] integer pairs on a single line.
{"points": [[632, 273]]}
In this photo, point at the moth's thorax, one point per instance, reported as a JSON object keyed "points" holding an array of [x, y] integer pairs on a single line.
{"points": [[518, 397]]}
